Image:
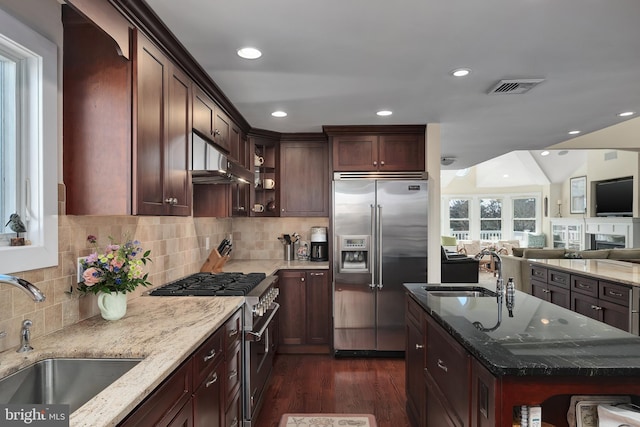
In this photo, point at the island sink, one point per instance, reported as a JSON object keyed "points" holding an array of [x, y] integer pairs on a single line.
{"points": [[458, 291], [63, 381]]}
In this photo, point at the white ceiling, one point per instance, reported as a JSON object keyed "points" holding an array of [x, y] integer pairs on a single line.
{"points": [[336, 62]]}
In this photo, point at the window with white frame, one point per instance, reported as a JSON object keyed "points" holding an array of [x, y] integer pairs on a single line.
{"points": [[490, 219], [28, 145], [524, 216], [459, 223]]}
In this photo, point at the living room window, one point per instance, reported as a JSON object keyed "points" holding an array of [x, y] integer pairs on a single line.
{"points": [[490, 219], [459, 218], [524, 217]]}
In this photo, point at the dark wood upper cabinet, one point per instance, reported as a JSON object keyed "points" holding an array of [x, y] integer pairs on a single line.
{"points": [[162, 104], [203, 110], [127, 126], [304, 174], [377, 148]]}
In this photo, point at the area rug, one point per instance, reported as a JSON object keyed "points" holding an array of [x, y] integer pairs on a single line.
{"points": [[327, 420]]}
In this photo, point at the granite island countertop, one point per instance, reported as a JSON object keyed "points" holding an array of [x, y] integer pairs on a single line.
{"points": [[162, 331], [540, 339]]}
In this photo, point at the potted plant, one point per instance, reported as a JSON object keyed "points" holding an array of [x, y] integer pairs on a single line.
{"points": [[112, 274]]}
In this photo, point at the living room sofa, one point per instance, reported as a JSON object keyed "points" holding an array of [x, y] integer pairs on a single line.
{"points": [[517, 265]]}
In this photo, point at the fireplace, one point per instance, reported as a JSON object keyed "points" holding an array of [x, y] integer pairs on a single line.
{"points": [[607, 241]]}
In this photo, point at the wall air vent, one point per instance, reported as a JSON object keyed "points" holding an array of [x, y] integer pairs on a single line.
{"points": [[515, 86]]}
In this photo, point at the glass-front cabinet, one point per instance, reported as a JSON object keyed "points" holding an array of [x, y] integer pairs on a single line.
{"points": [[266, 188], [567, 233]]}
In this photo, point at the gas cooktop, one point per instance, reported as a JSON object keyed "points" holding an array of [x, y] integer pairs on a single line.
{"points": [[211, 284]]}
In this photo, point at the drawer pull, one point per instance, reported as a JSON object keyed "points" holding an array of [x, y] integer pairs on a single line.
{"points": [[233, 373], [213, 380], [210, 356], [442, 366], [615, 294], [419, 346], [233, 333], [546, 291], [595, 307], [583, 286], [234, 423]]}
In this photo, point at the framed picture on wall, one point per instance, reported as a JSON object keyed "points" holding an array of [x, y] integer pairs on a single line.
{"points": [[578, 195]]}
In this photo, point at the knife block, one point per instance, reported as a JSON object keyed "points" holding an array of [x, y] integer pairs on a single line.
{"points": [[214, 262]]}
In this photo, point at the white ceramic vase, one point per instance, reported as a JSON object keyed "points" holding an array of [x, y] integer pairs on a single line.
{"points": [[112, 306]]}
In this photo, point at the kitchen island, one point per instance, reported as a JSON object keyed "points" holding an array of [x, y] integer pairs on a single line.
{"points": [[476, 370]]}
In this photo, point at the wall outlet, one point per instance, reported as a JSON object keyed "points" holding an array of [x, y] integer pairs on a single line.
{"points": [[79, 269], [207, 243]]}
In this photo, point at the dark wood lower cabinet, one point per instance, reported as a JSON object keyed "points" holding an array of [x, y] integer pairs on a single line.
{"points": [[305, 311], [457, 390], [204, 391], [598, 299]]}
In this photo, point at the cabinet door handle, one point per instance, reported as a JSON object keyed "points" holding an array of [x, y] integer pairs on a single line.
{"points": [[595, 307], [214, 378], [442, 366], [233, 373], [419, 346], [216, 132], [210, 356], [382, 163], [302, 279], [375, 163], [234, 423], [233, 333], [615, 294]]}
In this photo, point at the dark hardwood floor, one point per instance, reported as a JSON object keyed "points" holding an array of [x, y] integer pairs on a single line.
{"points": [[324, 384]]}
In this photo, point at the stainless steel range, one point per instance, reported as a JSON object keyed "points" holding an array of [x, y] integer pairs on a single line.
{"points": [[260, 326]]}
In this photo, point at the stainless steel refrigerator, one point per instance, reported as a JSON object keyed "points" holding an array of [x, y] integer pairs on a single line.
{"points": [[379, 227]]}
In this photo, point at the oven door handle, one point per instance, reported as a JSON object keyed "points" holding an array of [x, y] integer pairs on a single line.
{"points": [[257, 336]]}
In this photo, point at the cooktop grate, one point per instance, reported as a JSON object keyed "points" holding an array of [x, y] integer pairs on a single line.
{"points": [[210, 284]]}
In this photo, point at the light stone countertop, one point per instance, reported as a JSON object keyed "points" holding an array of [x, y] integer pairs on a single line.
{"points": [[164, 332], [606, 269], [271, 266]]}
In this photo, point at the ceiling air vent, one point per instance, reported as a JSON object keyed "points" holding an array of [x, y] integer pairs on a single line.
{"points": [[516, 86]]}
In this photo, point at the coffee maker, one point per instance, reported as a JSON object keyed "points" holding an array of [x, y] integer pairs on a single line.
{"points": [[319, 246]]}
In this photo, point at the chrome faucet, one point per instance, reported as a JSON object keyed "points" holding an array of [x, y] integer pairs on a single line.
{"points": [[500, 291], [29, 288], [25, 337]]}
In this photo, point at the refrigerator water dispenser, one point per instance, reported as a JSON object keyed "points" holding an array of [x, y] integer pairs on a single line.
{"points": [[354, 254]]}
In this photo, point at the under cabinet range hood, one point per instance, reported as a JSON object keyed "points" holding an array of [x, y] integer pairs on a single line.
{"points": [[209, 165]]}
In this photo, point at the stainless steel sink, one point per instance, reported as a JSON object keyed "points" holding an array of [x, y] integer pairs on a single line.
{"points": [[458, 291], [63, 381]]}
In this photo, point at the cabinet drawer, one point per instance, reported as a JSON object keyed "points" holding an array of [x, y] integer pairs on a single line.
{"points": [[538, 273], [584, 285], [232, 329], [165, 402], [559, 278], [233, 415], [209, 353], [614, 292], [448, 364], [232, 373]]}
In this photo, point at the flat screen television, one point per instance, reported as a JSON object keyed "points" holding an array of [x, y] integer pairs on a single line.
{"points": [[614, 197]]}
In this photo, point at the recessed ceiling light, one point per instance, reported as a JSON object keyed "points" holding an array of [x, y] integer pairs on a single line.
{"points": [[574, 132], [279, 114], [626, 114], [563, 153], [506, 175], [249, 53], [460, 72], [544, 153], [384, 113]]}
